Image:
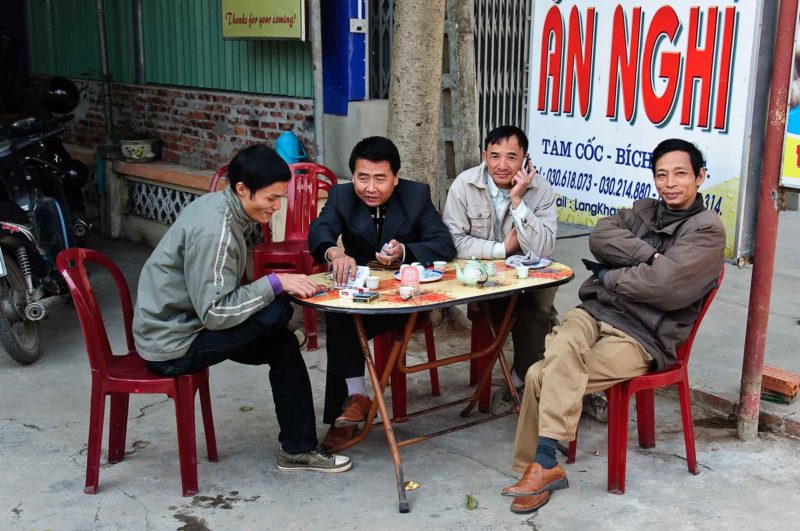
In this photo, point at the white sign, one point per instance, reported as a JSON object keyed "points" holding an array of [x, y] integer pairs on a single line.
{"points": [[610, 80]]}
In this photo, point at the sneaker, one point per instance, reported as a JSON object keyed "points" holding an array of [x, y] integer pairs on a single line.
{"points": [[596, 405], [315, 460], [502, 399]]}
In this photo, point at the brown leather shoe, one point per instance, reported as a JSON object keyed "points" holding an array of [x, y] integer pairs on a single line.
{"points": [[529, 504], [337, 436], [536, 480], [355, 410]]}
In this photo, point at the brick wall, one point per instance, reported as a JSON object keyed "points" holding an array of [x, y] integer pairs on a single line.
{"points": [[198, 128]]}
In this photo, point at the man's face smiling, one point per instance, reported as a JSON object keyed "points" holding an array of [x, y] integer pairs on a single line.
{"points": [[264, 202], [374, 182], [504, 160], [675, 180]]}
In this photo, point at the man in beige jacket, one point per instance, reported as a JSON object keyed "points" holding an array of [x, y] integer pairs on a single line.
{"points": [[502, 208]]}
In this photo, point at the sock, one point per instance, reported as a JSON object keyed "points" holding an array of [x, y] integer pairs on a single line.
{"points": [[515, 379], [355, 386], [546, 452]]}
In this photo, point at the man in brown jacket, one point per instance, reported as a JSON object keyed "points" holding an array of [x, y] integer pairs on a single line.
{"points": [[656, 262]]}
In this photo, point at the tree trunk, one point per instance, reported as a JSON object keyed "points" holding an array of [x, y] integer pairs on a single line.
{"points": [[415, 88], [466, 84]]}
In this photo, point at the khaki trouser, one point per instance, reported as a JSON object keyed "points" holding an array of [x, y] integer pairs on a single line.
{"points": [[582, 356]]}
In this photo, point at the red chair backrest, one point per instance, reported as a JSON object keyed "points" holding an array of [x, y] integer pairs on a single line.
{"points": [[221, 172], [308, 178], [72, 265], [685, 349]]}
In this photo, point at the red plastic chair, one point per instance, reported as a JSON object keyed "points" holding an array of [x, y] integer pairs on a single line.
{"points": [[382, 346], [120, 375], [481, 338], [292, 254], [644, 388], [220, 174]]}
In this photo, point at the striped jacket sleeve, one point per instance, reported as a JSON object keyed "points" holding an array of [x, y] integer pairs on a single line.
{"points": [[212, 270]]}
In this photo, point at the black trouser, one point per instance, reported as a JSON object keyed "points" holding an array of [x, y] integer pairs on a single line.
{"points": [[536, 317], [263, 338], [345, 357]]}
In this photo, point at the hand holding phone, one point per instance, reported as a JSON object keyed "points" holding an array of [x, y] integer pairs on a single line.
{"points": [[526, 164]]}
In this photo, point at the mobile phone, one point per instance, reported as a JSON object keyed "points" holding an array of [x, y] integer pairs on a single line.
{"points": [[526, 163]]}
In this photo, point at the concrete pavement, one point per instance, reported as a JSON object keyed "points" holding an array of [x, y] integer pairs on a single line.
{"points": [[44, 422]]}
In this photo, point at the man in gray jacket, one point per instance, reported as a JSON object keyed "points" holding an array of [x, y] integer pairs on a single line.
{"points": [[193, 312], [501, 208], [656, 263]]}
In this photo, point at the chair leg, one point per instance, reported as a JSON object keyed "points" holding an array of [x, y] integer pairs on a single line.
{"points": [[430, 347], [572, 449], [187, 449], [117, 426], [688, 424], [645, 418], [617, 437], [485, 398], [480, 338], [97, 409], [399, 394], [380, 352], [208, 420], [310, 321]]}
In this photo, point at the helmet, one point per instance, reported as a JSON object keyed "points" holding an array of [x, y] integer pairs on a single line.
{"points": [[59, 95]]}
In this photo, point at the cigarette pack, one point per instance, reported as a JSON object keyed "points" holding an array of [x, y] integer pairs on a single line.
{"points": [[368, 296], [347, 293]]}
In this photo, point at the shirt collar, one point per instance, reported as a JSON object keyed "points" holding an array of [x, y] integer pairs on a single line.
{"points": [[493, 189], [496, 193]]}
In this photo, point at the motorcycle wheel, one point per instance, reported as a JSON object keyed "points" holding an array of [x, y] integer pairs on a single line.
{"points": [[19, 337]]}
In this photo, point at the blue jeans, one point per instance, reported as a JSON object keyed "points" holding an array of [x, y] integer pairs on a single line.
{"points": [[262, 339]]}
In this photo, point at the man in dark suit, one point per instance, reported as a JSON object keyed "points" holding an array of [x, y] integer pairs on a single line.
{"points": [[379, 217]]}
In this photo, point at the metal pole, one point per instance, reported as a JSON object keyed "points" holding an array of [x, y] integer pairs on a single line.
{"points": [[767, 224], [101, 32], [138, 40], [316, 57]]}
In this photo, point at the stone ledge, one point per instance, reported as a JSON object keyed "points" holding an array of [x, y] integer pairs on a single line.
{"points": [[81, 153], [166, 173]]}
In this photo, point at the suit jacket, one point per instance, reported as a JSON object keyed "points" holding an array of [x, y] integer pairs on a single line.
{"points": [[410, 218]]}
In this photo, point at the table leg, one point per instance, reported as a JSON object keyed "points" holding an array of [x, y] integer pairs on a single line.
{"points": [[500, 334], [379, 389]]}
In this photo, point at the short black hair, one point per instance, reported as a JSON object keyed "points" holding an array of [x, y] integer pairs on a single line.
{"points": [[505, 132], [677, 144], [257, 167], [376, 149]]}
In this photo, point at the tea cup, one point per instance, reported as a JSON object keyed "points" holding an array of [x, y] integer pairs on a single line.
{"points": [[440, 266], [372, 282], [522, 271], [406, 292]]}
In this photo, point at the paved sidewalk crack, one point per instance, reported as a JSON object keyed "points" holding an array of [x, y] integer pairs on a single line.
{"points": [[143, 410], [663, 455], [146, 509], [24, 425], [470, 458]]}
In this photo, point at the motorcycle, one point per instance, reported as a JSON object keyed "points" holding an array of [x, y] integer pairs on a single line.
{"points": [[42, 212]]}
